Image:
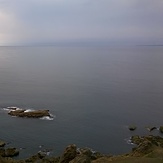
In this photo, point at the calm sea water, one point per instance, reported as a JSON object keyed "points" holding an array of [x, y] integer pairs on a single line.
{"points": [[94, 93]]}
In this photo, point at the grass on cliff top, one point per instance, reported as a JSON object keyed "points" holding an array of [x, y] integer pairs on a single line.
{"points": [[139, 160], [156, 156], [131, 160]]}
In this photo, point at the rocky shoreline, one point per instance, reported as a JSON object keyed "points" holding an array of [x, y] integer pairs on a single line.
{"points": [[148, 149]]}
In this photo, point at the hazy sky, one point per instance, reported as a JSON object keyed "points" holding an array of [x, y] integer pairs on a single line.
{"points": [[24, 21]]}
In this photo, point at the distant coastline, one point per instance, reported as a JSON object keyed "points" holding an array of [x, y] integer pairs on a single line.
{"points": [[151, 45]]}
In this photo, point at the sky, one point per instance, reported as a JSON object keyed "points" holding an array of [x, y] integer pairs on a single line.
{"points": [[114, 21]]}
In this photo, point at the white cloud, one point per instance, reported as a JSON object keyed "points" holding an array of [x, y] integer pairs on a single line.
{"points": [[7, 28], [40, 20]]}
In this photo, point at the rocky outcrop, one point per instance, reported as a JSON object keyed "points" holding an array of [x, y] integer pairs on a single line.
{"points": [[41, 158], [29, 114], [69, 154], [154, 140], [9, 152], [146, 144]]}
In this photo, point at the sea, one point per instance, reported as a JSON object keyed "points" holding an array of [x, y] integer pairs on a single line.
{"points": [[93, 92]]}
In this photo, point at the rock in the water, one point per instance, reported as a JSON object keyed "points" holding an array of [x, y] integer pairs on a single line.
{"points": [[2, 143], [10, 152], [161, 129], [132, 128], [151, 128], [69, 154], [30, 114]]}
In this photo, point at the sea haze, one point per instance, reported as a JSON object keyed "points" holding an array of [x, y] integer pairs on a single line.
{"points": [[94, 93]]}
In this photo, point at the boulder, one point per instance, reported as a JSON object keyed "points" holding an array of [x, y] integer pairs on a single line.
{"points": [[41, 154], [153, 128], [2, 143], [69, 154], [30, 114], [86, 155], [10, 152], [2, 152], [132, 128], [161, 129], [136, 139], [85, 151]]}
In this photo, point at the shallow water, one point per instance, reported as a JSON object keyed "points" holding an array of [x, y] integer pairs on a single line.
{"points": [[94, 93]]}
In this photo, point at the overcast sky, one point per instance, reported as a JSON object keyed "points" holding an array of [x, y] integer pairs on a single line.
{"points": [[25, 21]]}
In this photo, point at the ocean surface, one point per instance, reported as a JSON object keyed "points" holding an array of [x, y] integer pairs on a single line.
{"points": [[94, 93]]}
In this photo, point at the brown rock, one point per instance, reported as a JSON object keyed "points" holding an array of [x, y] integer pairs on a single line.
{"points": [[161, 129], [69, 154], [2, 152], [30, 114], [136, 139], [10, 152], [2, 143], [142, 148], [85, 151]]}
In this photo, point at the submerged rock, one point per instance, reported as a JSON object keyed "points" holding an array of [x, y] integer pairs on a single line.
{"points": [[30, 114]]}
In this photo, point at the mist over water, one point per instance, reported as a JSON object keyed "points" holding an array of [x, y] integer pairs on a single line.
{"points": [[94, 93]]}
